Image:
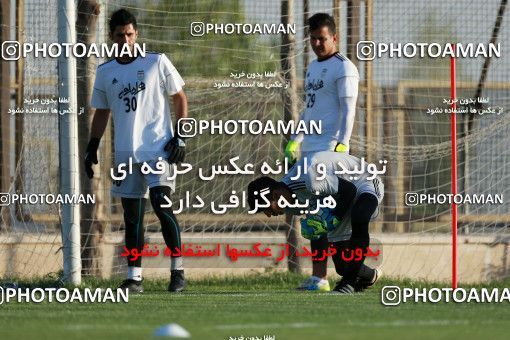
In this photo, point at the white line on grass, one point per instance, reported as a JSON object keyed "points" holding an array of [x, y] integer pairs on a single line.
{"points": [[268, 325], [81, 327], [220, 294], [408, 323]]}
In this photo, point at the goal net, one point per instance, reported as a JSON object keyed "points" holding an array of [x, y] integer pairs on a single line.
{"points": [[401, 117]]}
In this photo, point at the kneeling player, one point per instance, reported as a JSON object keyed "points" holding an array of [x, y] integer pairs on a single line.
{"points": [[357, 202]]}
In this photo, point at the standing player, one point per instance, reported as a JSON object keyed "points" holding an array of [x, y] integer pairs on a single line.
{"points": [[357, 201], [331, 91], [136, 90]]}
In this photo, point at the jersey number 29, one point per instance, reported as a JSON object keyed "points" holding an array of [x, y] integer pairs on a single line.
{"points": [[310, 100]]}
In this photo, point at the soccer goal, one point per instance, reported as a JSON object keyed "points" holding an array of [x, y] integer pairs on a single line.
{"points": [[403, 116]]}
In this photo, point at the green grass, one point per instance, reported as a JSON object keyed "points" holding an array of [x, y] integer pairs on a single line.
{"points": [[254, 306]]}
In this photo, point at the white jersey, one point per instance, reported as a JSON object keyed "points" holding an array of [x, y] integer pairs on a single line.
{"points": [[308, 187], [331, 91], [137, 95]]}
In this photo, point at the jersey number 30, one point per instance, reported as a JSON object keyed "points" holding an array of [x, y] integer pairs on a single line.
{"points": [[130, 104]]}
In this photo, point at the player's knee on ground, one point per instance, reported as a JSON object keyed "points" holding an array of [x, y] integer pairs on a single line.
{"points": [[366, 273], [169, 225], [342, 267], [134, 210]]}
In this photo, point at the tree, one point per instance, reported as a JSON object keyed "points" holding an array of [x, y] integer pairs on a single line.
{"points": [[165, 27]]}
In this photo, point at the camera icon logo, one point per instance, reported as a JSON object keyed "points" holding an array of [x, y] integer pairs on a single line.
{"points": [[411, 199], [391, 295], [197, 29], [365, 50], [187, 127], [5, 199], [11, 50]]}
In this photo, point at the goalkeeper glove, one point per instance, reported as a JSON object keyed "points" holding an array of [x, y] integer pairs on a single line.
{"points": [[91, 156], [291, 151], [176, 148], [329, 218], [341, 148], [315, 226]]}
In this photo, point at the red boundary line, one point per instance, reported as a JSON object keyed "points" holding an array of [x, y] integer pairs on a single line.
{"points": [[453, 95]]}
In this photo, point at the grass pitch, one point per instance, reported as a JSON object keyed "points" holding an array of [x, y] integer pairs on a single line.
{"points": [[255, 306]]}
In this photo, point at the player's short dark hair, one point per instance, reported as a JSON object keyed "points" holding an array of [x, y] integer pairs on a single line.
{"points": [[320, 20], [121, 17], [259, 184]]}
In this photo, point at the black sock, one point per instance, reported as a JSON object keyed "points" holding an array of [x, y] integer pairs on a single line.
{"points": [[169, 225], [134, 210]]}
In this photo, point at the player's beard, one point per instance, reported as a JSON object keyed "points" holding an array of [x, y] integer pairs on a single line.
{"points": [[324, 53]]}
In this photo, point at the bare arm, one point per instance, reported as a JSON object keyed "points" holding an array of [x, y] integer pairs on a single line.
{"points": [[99, 123], [175, 146], [180, 102]]}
